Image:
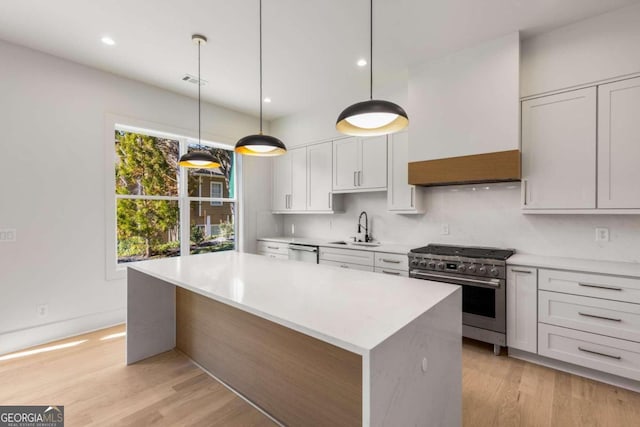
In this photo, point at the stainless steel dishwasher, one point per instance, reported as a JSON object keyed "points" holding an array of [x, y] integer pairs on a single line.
{"points": [[304, 253]]}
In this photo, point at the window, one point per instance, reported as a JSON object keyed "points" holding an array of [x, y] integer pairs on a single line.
{"points": [[216, 192], [162, 210]]}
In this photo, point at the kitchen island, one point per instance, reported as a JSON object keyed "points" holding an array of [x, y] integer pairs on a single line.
{"points": [[307, 344]]}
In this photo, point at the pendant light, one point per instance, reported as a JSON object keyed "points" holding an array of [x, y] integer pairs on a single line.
{"points": [[260, 144], [199, 159], [375, 116]]}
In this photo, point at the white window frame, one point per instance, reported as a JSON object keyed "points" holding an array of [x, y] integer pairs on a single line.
{"points": [[115, 271], [216, 202]]}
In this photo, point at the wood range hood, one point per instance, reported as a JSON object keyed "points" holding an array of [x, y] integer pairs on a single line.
{"points": [[500, 166]]}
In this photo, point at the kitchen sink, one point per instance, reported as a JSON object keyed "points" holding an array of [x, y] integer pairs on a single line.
{"points": [[342, 242]]}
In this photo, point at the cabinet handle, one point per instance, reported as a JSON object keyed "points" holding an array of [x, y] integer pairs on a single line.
{"points": [[412, 191], [330, 200], [524, 192], [599, 354], [392, 261], [599, 317], [359, 178], [344, 266], [354, 179], [394, 273], [272, 247], [609, 288], [521, 271]]}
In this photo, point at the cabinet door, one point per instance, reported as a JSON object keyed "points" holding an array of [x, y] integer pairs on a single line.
{"points": [[619, 144], [373, 163], [400, 195], [559, 151], [345, 163], [319, 173], [281, 182], [522, 309], [298, 197]]}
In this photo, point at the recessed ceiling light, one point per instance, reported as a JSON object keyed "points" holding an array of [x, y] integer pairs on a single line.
{"points": [[267, 100], [362, 62], [108, 41]]}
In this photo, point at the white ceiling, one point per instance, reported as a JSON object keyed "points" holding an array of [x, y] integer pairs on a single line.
{"points": [[310, 47]]}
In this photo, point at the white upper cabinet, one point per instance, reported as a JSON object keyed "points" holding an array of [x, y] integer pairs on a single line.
{"points": [[319, 174], [345, 163], [401, 197], [298, 198], [281, 182], [619, 145], [290, 181], [559, 151], [360, 164]]}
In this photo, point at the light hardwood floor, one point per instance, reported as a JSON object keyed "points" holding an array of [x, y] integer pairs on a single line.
{"points": [[97, 389]]}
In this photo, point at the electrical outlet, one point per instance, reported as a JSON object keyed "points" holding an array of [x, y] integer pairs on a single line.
{"points": [[8, 235], [444, 230], [43, 310], [602, 234]]}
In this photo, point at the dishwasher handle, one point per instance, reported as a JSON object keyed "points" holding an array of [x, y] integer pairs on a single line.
{"points": [[303, 248]]}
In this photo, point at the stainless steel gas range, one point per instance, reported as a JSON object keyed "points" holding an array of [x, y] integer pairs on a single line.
{"points": [[482, 274]]}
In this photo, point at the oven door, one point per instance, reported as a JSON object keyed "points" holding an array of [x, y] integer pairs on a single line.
{"points": [[483, 299]]}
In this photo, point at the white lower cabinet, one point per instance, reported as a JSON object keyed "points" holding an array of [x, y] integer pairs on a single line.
{"points": [[347, 265], [522, 316], [612, 355], [346, 256], [392, 272], [590, 320], [277, 250]]}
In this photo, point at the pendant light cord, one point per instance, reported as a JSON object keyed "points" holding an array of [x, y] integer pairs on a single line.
{"points": [[199, 102], [370, 49], [260, 67]]}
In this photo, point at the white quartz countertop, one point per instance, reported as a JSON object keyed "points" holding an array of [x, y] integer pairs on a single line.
{"points": [[354, 310], [631, 269], [386, 248]]}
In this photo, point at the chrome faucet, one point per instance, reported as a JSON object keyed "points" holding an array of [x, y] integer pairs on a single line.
{"points": [[367, 238]]}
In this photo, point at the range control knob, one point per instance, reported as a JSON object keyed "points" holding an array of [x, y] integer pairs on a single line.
{"points": [[440, 266], [471, 268], [482, 270], [494, 271], [414, 262], [462, 268], [423, 263], [431, 264]]}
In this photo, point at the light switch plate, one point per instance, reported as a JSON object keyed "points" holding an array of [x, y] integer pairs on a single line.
{"points": [[444, 230]]}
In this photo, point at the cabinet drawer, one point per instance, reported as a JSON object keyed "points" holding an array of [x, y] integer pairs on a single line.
{"points": [[272, 255], [347, 265], [618, 357], [590, 285], [349, 256], [605, 317], [393, 261], [392, 272], [273, 247]]}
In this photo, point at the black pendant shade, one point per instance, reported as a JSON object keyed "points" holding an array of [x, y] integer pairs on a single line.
{"points": [[200, 159], [370, 118], [375, 116], [260, 145]]}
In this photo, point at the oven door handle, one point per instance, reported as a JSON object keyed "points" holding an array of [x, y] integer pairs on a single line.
{"points": [[494, 283]]}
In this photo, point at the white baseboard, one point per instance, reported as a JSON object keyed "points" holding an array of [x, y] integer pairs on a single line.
{"points": [[28, 337], [603, 377]]}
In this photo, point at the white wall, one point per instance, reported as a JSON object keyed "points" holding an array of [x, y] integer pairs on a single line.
{"points": [[598, 48], [52, 179], [482, 217]]}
